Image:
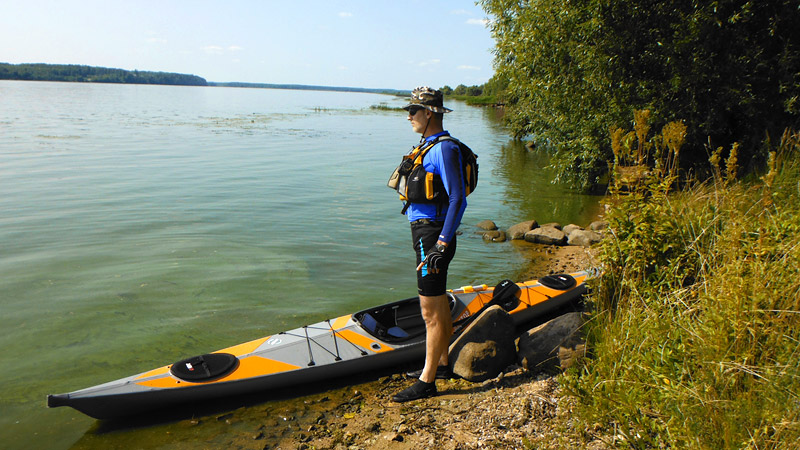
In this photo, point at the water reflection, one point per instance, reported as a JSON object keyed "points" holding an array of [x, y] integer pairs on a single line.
{"points": [[529, 188]]}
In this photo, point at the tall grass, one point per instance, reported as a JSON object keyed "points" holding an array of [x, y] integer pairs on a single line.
{"points": [[696, 331]]}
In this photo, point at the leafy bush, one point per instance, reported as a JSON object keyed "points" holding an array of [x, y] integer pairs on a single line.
{"points": [[729, 68]]}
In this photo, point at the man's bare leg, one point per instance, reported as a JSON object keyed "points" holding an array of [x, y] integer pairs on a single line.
{"points": [[438, 329]]}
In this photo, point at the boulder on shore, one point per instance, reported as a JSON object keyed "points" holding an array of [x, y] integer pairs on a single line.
{"points": [[494, 236], [584, 238], [555, 225], [570, 228], [486, 346], [518, 231], [547, 236], [487, 225], [554, 344]]}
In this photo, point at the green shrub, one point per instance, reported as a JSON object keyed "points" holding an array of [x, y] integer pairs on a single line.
{"points": [[729, 68]]}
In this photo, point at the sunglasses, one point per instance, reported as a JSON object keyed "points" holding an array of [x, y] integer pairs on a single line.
{"points": [[414, 110]]}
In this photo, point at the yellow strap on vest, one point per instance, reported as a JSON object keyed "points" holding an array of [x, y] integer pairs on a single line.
{"points": [[420, 152]]}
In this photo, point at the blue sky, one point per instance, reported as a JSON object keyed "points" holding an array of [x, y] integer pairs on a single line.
{"points": [[395, 44]]}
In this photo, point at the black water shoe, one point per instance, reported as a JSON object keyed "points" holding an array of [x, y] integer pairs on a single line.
{"points": [[442, 373], [419, 390]]}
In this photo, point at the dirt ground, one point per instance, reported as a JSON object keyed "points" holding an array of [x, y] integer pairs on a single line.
{"points": [[517, 410]]}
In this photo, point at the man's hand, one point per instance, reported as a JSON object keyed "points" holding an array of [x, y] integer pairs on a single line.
{"points": [[434, 258]]}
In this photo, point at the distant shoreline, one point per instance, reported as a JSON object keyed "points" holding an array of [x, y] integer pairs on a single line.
{"points": [[75, 73], [90, 74], [304, 87]]}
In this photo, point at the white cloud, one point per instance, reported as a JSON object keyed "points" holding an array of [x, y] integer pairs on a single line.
{"points": [[213, 49], [460, 12], [466, 67], [481, 22], [345, 15], [219, 50], [155, 40], [429, 62]]}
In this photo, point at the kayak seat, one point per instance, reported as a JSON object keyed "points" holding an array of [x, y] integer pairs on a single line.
{"points": [[397, 332], [397, 321], [409, 316], [377, 329]]}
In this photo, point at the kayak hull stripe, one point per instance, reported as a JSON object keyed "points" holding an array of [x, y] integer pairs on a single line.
{"points": [[341, 322], [247, 347], [236, 350], [364, 342], [249, 367]]}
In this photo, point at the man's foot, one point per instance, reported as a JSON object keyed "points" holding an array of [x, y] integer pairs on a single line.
{"points": [[419, 390], [442, 373]]}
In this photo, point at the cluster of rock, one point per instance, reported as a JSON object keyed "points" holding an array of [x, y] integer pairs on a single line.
{"points": [[548, 234], [491, 344]]}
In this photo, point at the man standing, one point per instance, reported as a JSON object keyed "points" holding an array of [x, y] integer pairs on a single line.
{"points": [[436, 202]]}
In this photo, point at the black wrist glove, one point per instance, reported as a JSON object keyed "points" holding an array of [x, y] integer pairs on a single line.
{"points": [[435, 258]]}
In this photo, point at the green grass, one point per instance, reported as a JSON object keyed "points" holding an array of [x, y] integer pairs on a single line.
{"points": [[385, 107], [696, 330]]}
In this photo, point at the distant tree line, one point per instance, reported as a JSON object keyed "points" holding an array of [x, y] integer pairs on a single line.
{"points": [[729, 69], [90, 74], [306, 87], [490, 93]]}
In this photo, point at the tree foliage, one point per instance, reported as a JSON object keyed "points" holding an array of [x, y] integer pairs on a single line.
{"points": [[729, 68], [490, 93], [58, 72]]}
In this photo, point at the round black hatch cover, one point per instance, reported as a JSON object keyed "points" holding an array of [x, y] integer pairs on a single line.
{"points": [[562, 281], [204, 367]]}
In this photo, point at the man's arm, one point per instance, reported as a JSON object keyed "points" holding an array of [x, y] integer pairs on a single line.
{"points": [[451, 173]]}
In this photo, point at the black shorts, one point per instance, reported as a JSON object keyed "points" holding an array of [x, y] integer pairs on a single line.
{"points": [[424, 235]]}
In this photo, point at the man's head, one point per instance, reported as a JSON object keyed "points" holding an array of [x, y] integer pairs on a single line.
{"points": [[428, 98], [426, 110]]}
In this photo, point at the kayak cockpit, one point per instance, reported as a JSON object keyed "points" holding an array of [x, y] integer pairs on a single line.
{"points": [[399, 321]]}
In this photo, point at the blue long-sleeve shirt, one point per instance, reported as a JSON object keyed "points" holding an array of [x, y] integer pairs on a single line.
{"points": [[444, 159]]}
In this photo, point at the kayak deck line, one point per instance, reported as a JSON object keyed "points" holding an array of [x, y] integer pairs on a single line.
{"points": [[374, 338]]}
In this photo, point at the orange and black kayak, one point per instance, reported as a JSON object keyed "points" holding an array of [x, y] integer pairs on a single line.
{"points": [[375, 338]]}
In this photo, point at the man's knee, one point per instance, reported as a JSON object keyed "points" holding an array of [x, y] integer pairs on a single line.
{"points": [[435, 310]]}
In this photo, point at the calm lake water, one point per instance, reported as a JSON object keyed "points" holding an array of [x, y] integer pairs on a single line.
{"points": [[143, 224]]}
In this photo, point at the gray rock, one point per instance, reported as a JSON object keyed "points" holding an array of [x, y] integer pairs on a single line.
{"points": [[555, 225], [487, 225], [518, 231], [598, 225], [570, 228], [486, 346], [584, 238], [494, 236], [555, 344], [547, 236]]}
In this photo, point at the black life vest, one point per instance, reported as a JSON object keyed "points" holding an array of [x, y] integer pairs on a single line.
{"points": [[416, 185]]}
